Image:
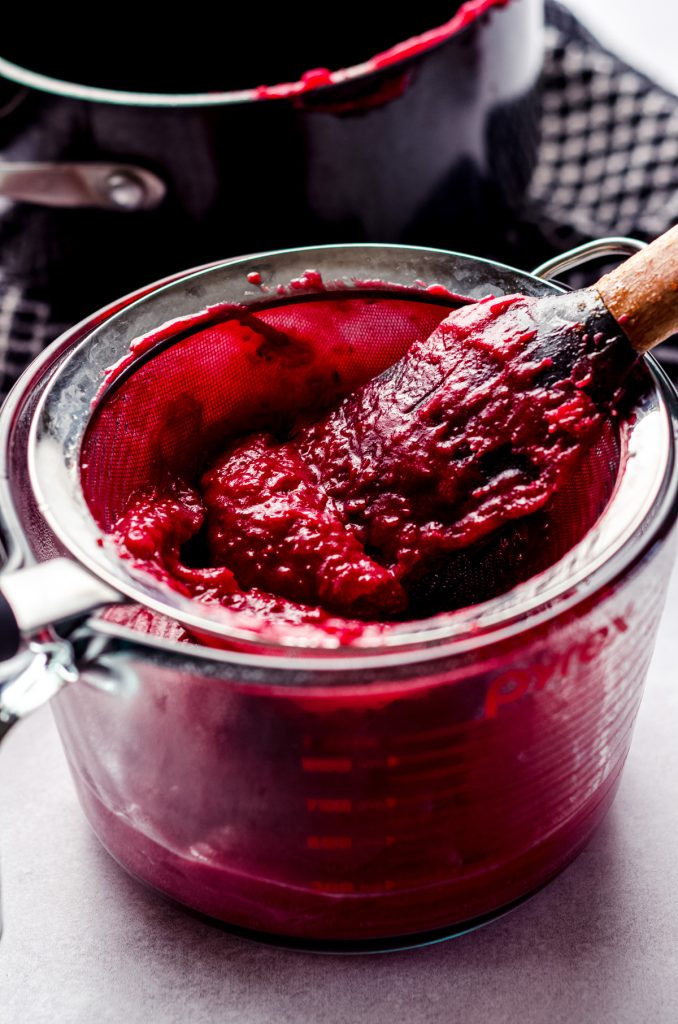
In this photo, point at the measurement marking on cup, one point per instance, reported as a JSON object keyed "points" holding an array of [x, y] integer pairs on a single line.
{"points": [[387, 803], [513, 684], [328, 806], [310, 743], [329, 842], [327, 764], [343, 805]]}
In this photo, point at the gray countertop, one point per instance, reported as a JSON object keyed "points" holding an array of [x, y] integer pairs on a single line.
{"points": [[83, 942]]}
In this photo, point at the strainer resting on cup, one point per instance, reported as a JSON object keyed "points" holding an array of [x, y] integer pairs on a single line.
{"points": [[416, 775]]}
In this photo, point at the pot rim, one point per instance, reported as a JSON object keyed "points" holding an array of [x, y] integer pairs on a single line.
{"points": [[457, 26]]}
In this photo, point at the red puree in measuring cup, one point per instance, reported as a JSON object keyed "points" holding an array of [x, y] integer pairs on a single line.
{"points": [[362, 808], [348, 512]]}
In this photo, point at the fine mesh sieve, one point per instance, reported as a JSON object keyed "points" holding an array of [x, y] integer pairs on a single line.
{"points": [[232, 377], [258, 370], [258, 354]]}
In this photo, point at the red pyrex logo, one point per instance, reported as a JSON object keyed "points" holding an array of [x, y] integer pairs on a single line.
{"points": [[514, 683]]}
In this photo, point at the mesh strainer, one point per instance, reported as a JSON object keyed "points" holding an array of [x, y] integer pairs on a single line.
{"points": [[205, 374]]}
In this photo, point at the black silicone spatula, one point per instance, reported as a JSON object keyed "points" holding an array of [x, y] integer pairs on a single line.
{"points": [[477, 426], [484, 421]]}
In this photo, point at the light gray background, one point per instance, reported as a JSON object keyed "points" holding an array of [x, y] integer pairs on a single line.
{"points": [[643, 32], [83, 943]]}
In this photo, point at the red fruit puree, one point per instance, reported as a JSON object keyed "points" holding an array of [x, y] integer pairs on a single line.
{"points": [[346, 513]]}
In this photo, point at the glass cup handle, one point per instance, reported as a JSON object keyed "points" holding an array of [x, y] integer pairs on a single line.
{"points": [[50, 666], [616, 245]]}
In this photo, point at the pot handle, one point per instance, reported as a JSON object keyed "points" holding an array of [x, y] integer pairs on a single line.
{"points": [[121, 187], [44, 594], [615, 245]]}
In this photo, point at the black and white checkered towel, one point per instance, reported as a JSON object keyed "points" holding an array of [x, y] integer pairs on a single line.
{"points": [[608, 157], [607, 165], [26, 327]]}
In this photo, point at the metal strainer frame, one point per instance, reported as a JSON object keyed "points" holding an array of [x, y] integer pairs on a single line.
{"points": [[648, 485]]}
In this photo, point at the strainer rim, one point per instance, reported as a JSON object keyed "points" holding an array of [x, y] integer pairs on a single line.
{"points": [[428, 632]]}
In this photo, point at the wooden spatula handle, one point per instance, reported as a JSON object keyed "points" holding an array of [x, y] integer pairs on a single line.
{"points": [[642, 293]]}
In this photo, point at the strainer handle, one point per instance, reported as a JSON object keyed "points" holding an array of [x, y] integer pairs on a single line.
{"points": [[45, 594], [615, 245]]}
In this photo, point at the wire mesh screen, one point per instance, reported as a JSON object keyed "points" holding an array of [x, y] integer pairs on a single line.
{"points": [[168, 418], [172, 411]]}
